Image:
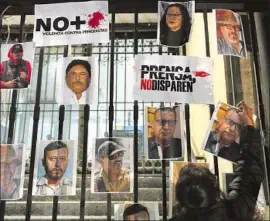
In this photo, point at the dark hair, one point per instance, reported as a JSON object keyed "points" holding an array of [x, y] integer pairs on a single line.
{"points": [[184, 30], [196, 191], [166, 109], [56, 145], [133, 209], [79, 62]]}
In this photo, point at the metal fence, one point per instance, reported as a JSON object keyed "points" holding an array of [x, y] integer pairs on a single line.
{"points": [[31, 115]]}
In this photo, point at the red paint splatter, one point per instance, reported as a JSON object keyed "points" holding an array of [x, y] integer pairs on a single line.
{"points": [[201, 74], [95, 19]]}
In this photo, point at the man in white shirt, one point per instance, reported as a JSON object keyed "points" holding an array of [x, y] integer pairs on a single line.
{"points": [[78, 79], [55, 162]]}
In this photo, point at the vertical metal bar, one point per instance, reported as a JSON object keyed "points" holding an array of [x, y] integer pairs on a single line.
{"points": [[13, 110], [211, 107], [257, 78], [111, 107], [60, 137], [84, 154], [34, 136], [84, 164], [136, 114]]}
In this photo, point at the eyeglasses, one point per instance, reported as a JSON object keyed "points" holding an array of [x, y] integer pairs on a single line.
{"points": [[170, 15], [119, 154], [164, 122], [231, 27], [231, 123]]}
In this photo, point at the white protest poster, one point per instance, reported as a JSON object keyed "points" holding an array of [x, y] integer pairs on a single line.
{"points": [[169, 78], [71, 23]]}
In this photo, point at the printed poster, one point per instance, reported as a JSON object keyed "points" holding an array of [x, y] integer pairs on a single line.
{"points": [[71, 23], [137, 211], [229, 33], [112, 165], [165, 132], [55, 168], [175, 22], [12, 171], [223, 135], [16, 65], [77, 80], [168, 78]]}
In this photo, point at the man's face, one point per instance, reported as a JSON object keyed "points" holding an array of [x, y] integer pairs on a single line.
{"points": [[164, 126], [7, 174], [78, 79], [17, 55], [113, 162], [138, 216], [174, 18], [230, 31], [55, 163], [229, 127]]}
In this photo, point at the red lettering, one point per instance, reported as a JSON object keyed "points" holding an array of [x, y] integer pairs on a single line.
{"points": [[146, 84]]}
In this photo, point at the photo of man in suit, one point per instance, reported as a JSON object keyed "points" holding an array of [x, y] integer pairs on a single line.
{"points": [[162, 144]]}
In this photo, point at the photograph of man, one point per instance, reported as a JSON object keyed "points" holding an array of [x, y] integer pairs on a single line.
{"points": [[12, 171], [223, 139], [229, 33], [112, 165], [16, 65], [136, 211], [176, 19], [56, 168], [175, 168], [76, 84], [164, 133]]}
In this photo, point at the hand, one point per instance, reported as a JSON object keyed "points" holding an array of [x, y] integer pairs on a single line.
{"points": [[10, 84], [246, 114], [23, 75]]}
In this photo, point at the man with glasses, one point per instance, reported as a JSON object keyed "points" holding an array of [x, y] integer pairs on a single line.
{"points": [[112, 177], [223, 141], [230, 42], [9, 187], [162, 145]]}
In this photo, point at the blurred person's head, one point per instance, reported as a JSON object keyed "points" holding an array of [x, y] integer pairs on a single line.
{"points": [[78, 76], [175, 18], [136, 212], [164, 125], [17, 51], [55, 160], [196, 192], [110, 156], [229, 127], [9, 163], [229, 26]]}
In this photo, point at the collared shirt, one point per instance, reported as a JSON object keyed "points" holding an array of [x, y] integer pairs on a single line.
{"points": [[68, 97], [13, 194], [122, 184], [227, 49], [65, 187]]}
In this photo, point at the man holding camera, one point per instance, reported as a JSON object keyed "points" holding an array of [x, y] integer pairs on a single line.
{"points": [[15, 72]]}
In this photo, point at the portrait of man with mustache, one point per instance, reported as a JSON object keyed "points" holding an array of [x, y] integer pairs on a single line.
{"points": [[55, 162]]}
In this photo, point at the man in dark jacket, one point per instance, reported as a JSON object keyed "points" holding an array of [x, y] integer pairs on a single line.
{"points": [[198, 193], [162, 144]]}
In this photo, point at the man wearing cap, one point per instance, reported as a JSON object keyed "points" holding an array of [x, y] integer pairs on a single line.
{"points": [[55, 162], [112, 177], [78, 79], [230, 27], [15, 72], [10, 187]]}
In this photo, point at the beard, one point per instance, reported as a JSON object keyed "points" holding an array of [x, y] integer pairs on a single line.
{"points": [[50, 173]]}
